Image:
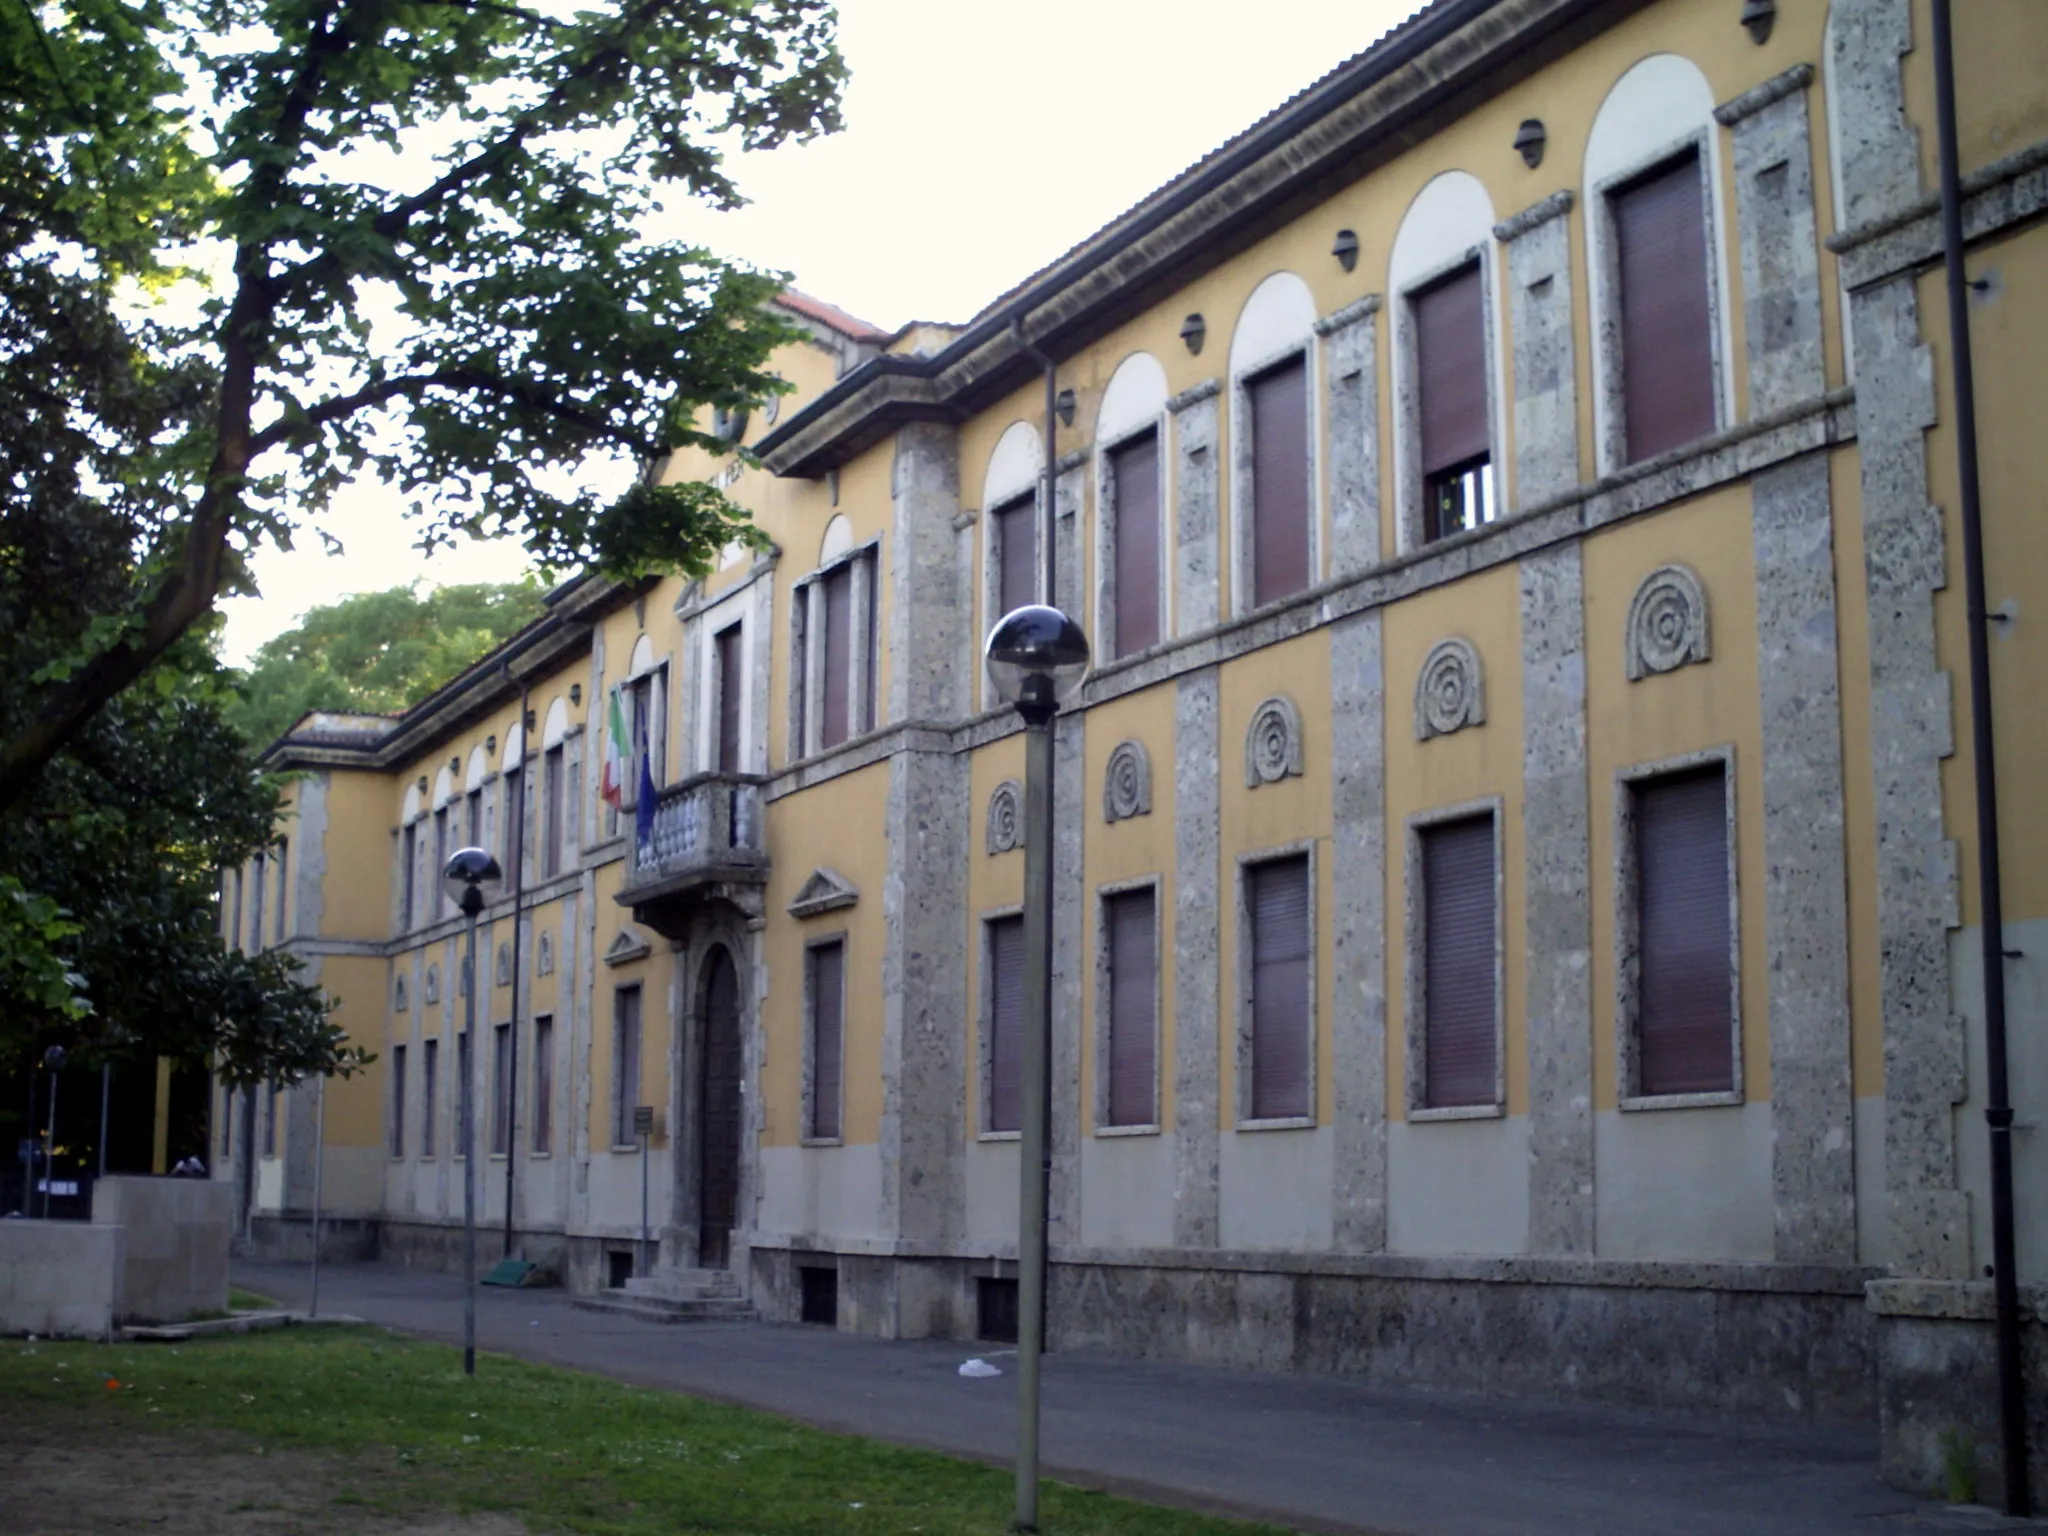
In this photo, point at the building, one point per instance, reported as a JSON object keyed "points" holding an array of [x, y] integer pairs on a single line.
{"points": [[1516, 906]]}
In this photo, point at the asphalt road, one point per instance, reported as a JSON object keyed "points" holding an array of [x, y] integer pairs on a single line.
{"points": [[1313, 1452]]}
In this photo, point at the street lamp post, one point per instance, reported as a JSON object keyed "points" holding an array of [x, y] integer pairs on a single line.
{"points": [[53, 1063], [473, 881], [1036, 658]]}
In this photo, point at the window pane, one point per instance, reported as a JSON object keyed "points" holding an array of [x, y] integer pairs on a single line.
{"points": [[726, 757], [543, 1109], [1006, 1024], [828, 1006], [1134, 471], [1667, 351], [1280, 491], [1459, 972], [1133, 1007], [1279, 897], [1685, 1019], [625, 1063], [1016, 533], [835, 727]]}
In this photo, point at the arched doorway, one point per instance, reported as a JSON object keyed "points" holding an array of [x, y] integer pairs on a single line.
{"points": [[718, 1119]]}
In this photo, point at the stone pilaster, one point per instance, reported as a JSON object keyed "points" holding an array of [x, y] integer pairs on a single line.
{"points": [[1352, 413], [1557, 884], [924, 996], [1197, 937], [1546, 374], [928, 608], [1069, 903], [1358, 1026], [1780, 243], [1198, 541], [1813, 1175], [1875, 143]]}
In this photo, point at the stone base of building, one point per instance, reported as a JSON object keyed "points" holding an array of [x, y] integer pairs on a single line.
{"points": [[1937, 1374], [286, 1237], [1778, 1340]]}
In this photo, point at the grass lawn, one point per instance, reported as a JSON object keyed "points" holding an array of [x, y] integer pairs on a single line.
{"points": [[405, 1431], [240, 1300]]}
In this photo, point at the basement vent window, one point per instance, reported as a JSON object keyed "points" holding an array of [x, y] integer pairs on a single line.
{"points": [[997, 1320], [820, 1287], [618, 1268]]}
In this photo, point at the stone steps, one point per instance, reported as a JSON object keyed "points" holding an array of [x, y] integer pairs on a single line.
{"points": [[669, 1284], [657, 1309]]}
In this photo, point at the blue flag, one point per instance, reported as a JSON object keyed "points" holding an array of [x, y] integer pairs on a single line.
{"points": [[643, 813]]}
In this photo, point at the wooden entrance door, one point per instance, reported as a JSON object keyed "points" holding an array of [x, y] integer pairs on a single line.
{"points": [[718, 1145]]}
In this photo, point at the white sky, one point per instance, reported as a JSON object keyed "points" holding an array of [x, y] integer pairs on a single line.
{"points": [[980, 143]]}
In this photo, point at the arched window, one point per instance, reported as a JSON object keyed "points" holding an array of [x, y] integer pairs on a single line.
{"points": [[1658, 264], [1275, 545]]}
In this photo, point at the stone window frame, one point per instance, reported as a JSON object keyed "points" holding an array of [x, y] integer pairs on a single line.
{"points": [[1627, 929], [1241, 1116], [1603, 255], [1415, 963], [984, 1072], [843, 938], [1155, 883], [1309, 348], [807, 634], [1105, 533], [1405, 361]]}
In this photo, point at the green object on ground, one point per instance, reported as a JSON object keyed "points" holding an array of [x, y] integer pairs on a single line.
{"points": [[510, 1272], [558, 1450]]}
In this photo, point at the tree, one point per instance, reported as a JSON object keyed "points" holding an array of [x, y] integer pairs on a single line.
{"points": [[429, 212], [377, 652]]}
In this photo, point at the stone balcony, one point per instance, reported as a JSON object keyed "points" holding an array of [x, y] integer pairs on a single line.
{"points": [[708, 843]]}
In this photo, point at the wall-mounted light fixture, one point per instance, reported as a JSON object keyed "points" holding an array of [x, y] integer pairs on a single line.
{"points": [[455, 764], [575, 693], [1192, 331], [423, 783], [1345, 249], [1529, 141], [527, 724], [1758, 16], [1063, 406], [490, 746]]}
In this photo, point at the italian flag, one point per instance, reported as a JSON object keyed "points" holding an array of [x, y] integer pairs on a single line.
{"points": [[612, 787]]}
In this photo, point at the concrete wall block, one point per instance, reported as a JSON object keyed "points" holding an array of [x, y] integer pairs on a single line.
{"points": [[1937, 1401], [1557, 879], [175, 1253], [1197, 964], [61, 1277]]}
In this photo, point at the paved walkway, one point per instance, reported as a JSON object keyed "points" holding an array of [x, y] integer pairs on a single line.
{"points": [[1313, 1452]]}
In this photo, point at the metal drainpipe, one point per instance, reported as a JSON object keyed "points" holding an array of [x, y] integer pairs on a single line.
{"points": [[515, 837], [1998, 1112]]}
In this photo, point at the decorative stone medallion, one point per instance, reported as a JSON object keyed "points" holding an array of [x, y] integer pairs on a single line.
{"points": [[433, 987], [1450, 691], [544, 955], [1272, 747], [1127, 784], [1006, 817], [1667, 622]]}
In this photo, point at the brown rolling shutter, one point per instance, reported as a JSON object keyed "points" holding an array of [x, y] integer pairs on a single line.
{"points": [[1667, 347], [1459, 970], [870, 564], [542, 1115], [1016, 529], [1450, 369], [1006, 1024], [1685, 1022], [1279, 409], [1133, 1008], [838, 660], [398, 1101], [551, 813], [1134, 469], [730, 684], [799, 676], [828, 1034], [1278, 893]]}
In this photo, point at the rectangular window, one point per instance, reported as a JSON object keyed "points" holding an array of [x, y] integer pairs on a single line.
{"points": [[398, 1101], [284, 885], [1667, 340], [731, 684], [513, 856], [1278, 399], [1278, 895], [1685, 1031], [836, 592], [551, 814], [625, 1063], [1005, 1024], [1132, 938], [1015, 525], [828, 1037], [1450, 374], [409, 854], [430, 1097], [1134, 474], [1460, 972], [473, 819], [543, 1111], [869, 566], [501, 1097], [256, 871], [442, 906], [799, 677]]}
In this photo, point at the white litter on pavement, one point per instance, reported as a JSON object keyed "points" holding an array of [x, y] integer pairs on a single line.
{"points": [[978, 1368]]}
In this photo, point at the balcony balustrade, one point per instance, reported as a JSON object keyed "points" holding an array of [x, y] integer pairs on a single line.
{"points": [[708, 840]]}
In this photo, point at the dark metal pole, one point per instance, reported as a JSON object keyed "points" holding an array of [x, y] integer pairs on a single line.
{"points": [[515, 849], [50, 1154], [28, 1141], [106, 1090], [472, 903], [646, 1268], [1998, 1113], [1031, 1222]]}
